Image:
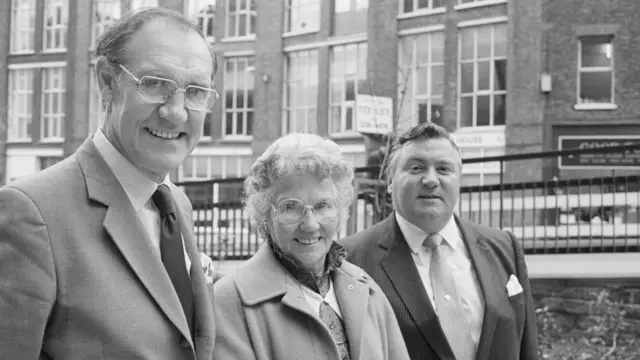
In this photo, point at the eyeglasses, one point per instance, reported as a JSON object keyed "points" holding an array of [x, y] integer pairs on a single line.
{"points": [[292, 211], [157, 90]]}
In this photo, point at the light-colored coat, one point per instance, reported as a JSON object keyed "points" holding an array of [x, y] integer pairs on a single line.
{"points": [[261, 314], [79, 277]]}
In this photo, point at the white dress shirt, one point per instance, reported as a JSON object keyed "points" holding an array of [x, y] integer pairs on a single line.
{"points": [[457, 257], [139, 189], [314, 299]]}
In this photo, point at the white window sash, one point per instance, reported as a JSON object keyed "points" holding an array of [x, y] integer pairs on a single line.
{"points": [[110, 8], [51, 127], [338, 60], [56, 30], [237, 14], [595, 69], [239, 83], [20, 104], [22, 26], [292, 104], [293, 7]]}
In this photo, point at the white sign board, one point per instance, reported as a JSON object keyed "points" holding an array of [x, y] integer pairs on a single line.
{"points": [[374, 114]]}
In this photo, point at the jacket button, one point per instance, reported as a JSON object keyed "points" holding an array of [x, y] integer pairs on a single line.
{"points": [[184, 343]]}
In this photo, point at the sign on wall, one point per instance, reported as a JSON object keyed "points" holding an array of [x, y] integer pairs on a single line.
{"points": [[374, 114], [627, 160]]}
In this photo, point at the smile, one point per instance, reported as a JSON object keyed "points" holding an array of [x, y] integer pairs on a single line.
{"points": [[166, 135], [309, 241]]}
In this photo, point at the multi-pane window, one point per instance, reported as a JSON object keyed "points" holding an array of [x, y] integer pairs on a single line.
{"points": [[199, 167], [595, 70], [240, 18], [105, 13], [301, 92], [56, 15], [482, 76], [302, 15], [47, 161], [238, 95], [52, 103], [350, 17], [408, 6], [203, 13], [139, 4], [96, 110], [23, 25], [348, 77], [20, 104], [421, 85]]}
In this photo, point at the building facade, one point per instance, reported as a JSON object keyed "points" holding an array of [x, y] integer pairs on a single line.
{"points": [[503, 75]]}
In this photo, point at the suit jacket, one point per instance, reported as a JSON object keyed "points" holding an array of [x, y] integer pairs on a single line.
{"points": [[79, 277], [509, 325], [263, 314]]}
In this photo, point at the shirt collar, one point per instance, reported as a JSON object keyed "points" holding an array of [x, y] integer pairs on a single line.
{"points": [[416, 236], [135, 183]]}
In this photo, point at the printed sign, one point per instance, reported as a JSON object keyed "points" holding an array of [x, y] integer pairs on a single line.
{"points": [[628, 160], [374, 114]]}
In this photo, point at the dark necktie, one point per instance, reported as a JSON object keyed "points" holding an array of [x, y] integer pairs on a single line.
{"points": [[172, 252], [452, 319]]}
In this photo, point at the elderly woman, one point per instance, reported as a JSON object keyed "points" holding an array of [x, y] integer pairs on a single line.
{"points": [[297, 298]]}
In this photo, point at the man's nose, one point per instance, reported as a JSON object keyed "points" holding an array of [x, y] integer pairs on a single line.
{"points": [[430, 179], [174, 109]]}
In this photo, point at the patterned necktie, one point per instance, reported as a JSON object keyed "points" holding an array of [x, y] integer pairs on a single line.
{"points": [[336, 327], [172, 251], [451, 316]]}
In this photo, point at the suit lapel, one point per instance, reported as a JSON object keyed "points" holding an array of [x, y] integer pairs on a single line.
{"points": [[481, 258], [353, 298], [122, 224], [204, 324], [400, 267]]}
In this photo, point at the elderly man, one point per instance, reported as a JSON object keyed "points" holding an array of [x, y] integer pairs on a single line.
{"points": [[460, 290], [97, 254]]}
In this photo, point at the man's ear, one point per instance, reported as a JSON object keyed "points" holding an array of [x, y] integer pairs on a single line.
{"points": [[106, 76]]}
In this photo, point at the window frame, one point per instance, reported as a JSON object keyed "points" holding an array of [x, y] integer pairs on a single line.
{"points": [[361, 48], [491, 92], [430, 9], [250, 11], [356, 8], [19, 30], [55, 120], [248, 87], [20, 120], [460, 5], [141, 4], [414, 97], [311, 79], [289, 8], [193, 8], [584, 105], [98, 28], [61, 28]]}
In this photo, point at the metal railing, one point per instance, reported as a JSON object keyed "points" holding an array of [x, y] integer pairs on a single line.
{"points": [[592, 214]]}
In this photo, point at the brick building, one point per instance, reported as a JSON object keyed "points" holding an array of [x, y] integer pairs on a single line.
{"points": [[474, 66]]}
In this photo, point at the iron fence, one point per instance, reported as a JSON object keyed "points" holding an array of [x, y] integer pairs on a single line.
{"points": [[592, 212]]}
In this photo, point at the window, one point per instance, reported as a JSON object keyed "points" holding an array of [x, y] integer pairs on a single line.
{"points": [[23, 25], [105, 13], [472, 1], [595, 70], [20, 104], [47, 161], [350, 17], [240, 18], [238, 96], [55, 25], [204, 167], [301, 92], [302, 16], [348, 76], [421, 88], [139, 4], [408, 6], [203, 12], [482, 76], [96, 110], [52, 120]]}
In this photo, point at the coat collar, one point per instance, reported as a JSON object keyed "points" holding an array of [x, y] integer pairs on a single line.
{"points": [[403, 274], [124, 229], [352, 287]]}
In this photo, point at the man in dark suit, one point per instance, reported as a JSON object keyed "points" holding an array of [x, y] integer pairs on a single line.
{"points": [[97, 254], [459, 290]]}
